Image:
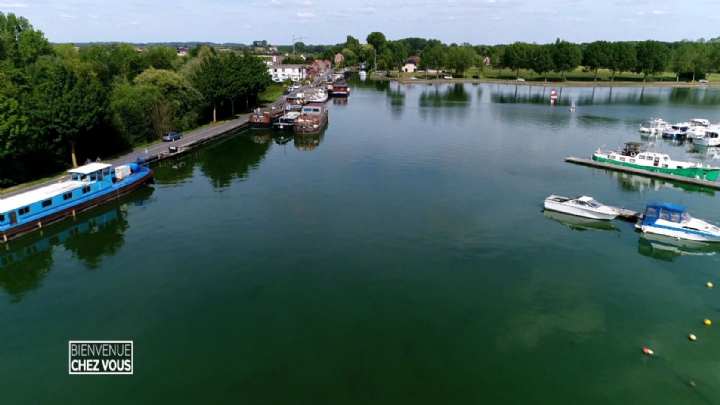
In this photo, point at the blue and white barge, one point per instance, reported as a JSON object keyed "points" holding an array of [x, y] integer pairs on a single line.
{"points": [[89, 185]]}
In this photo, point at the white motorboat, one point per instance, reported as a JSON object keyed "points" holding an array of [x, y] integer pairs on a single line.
{"points": [[655, 126], [673, 221], [699, 122], [711, 137], [318, 96], [583, 206], [676, 131], [363, 75]]}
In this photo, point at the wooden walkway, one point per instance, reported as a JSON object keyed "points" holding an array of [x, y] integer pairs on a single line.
{"points": [[679, 179]]}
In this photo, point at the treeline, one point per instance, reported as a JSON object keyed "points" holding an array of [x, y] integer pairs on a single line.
{"points": [[688, 60], [61, 105]]}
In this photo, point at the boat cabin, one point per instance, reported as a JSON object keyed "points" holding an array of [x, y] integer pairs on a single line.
{"points": [[700, 122], [313, 109], [37, 203], [666, 212], [632, 149]]}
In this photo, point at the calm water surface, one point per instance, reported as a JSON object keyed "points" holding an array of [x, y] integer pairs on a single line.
{"points": [[401, 257]]}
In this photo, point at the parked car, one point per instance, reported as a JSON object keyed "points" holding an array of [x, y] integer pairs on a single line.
{"points": [[447, 77], [520, 79], [171, 137]]}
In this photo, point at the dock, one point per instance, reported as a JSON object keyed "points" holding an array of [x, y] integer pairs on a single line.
{"points": [[679, 179]]}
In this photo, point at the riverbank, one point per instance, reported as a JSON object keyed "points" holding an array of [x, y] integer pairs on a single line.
{"points": [[150, 153], [550, 84]]}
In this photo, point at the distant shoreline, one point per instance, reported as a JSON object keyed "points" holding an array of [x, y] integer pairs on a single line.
{"points": [[554, 84]]}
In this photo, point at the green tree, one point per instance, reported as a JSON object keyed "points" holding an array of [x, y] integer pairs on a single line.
{"points": [[542, 60], [596, 55], [209, 78], [622, 58], [160, 57], [517, 56], [433, 57], [66, 102], [377, 40], [652, 58], [460, 58], [566, 56]]}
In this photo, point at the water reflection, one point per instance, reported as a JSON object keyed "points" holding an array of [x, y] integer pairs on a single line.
{"points": [[90, 237], [578, 223], [668, 249], [438, 100], [634, 183], [396, 98], [308, 142]]}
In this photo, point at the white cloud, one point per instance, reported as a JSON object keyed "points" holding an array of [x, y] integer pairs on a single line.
{"points": [[13, 5], [305, 14]]}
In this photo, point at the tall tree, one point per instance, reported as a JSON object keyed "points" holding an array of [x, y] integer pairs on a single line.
{"points": [[433, 57], [622, 58], [517, 56], [210, 79], [377, 40], [542, 60], [652, 58], [66, 102], [596, 55], [566, 56], [460, 58]]}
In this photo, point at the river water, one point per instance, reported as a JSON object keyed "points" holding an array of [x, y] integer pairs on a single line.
{"points": [[401, 257]]}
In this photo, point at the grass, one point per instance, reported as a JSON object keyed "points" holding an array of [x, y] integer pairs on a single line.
{"points": [[272, 93], [577, 75]]}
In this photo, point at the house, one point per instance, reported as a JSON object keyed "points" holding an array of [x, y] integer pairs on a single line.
{"points": [[281, 73], [339, 59], [411, 64], [318, 67], [181, 51]]}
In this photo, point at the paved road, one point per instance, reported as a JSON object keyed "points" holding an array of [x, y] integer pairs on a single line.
{"points": [[189, 137]]}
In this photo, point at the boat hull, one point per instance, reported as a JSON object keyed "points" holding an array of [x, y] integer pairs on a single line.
{"points": [[681, 234], [576, 211], [109, 195], [710, 174]]}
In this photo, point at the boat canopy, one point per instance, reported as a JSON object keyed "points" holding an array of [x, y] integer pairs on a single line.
{"points": [[89, 168], [666, 211]]}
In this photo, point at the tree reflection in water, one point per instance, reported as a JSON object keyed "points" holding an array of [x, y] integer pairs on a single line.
{"points": [[90, 237]]}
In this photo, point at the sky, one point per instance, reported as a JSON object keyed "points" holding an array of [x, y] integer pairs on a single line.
{"points": [[329, 21]]}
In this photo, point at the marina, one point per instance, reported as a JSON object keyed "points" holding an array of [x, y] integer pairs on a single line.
{"points": [[627, 169], [418, 241]]}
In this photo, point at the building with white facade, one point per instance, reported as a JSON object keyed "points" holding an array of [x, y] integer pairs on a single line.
{"points": [[281, 73]]}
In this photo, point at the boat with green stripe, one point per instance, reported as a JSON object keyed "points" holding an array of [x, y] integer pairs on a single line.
{"points": [[633, 155]]}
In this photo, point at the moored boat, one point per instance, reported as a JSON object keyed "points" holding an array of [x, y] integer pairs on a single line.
{"points": [[264, 118], [313, 118], [287, 120], [673, 221], [632, 155], [317, 96], [340, 89], [676, 131], [711, 137], [88, 186], [655, 126], [582, 206]]}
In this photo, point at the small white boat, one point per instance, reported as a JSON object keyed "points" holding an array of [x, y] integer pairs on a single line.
{"points": [[583, 206], [673, 221], [363, 75], [699, 122], [318, 96], [655, 126], [676, 131], [711, 137]]}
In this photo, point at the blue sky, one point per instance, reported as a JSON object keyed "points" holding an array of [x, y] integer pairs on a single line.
{"points": [[328, 21]]}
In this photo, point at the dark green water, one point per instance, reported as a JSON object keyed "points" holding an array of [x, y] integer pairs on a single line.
{"points": [[401, 258]]}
